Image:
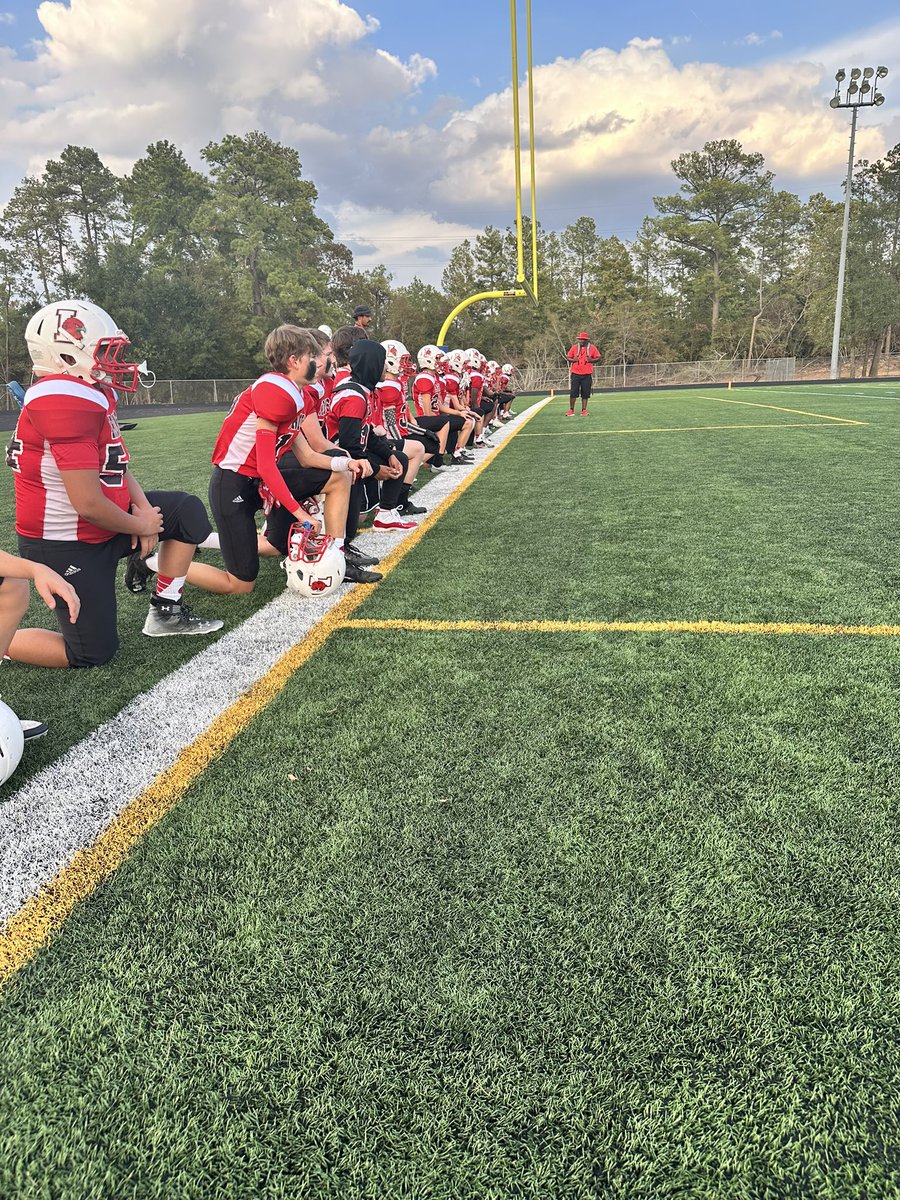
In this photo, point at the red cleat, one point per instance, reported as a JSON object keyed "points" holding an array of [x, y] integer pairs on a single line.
{"points": [[571, 412]]}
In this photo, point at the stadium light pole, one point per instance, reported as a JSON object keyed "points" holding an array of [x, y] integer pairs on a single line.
{"points": [[859, 95]]}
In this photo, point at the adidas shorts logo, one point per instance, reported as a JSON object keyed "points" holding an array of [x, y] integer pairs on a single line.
{"points": [[71, 570]]}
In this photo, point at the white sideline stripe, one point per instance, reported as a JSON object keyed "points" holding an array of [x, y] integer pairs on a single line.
{"points": [[67, 805]]}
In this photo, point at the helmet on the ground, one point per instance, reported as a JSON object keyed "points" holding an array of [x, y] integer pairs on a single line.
{"points": [[314, 564], [76, 337], [397, 360], [12, 741], [429, 357]]}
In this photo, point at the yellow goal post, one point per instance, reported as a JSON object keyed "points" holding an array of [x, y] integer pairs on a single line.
{"points": [[523, 286]]}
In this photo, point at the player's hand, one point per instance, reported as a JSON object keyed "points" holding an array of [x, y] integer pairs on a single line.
{"points": [[357, 469], [49, 585], [396, 467], [145, 545], [304, 518], [150, 524]]}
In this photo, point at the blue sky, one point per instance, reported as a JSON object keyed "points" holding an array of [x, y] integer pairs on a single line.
{"points": [[400, 109]]}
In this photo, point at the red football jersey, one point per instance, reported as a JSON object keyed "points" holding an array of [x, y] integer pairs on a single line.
{"points": [[451, 386], [426, 394], [327, 393], [352, 401], [476, 383], [313, 398], [65, 425], [391, 400], [272, 397]]}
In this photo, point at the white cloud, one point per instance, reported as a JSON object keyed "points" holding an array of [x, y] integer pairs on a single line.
{"points": [[191, 72], [681, 39], [759, 39], [608, 117], [408, 242], [7, 18], [405, 187]]}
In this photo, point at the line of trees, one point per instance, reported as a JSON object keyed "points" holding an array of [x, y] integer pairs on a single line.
{"points": [[198, 266]]}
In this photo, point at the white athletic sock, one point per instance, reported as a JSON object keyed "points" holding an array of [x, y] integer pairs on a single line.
{"points": [[152, 561]]}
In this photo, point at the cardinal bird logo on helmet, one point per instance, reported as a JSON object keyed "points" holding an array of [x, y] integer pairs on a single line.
{"points": [[71, 324]]}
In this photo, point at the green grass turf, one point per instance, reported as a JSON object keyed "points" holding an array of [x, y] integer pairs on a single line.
{"points": [[635, 935], [166, 452], [765, 524], [626, 926]]}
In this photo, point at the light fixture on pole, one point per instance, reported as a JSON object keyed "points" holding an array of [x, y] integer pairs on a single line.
{"points": [[861, 93]]}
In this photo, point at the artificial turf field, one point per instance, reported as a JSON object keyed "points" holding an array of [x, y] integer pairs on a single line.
{"points": [[491, 912]]}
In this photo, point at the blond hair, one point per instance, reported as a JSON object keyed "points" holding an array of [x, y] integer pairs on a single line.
{"points": [[288, 341]]}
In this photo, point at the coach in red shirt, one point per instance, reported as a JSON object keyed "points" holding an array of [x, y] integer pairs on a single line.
{"points": [[582, 356]]}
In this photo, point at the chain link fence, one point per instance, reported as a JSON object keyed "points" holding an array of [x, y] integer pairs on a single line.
{"points": [[198, 393], [717, 371]]}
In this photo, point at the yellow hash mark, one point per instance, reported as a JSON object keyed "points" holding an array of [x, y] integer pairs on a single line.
{"points": [[694, 428], [28, 929], [777, 408], [731, 627]]}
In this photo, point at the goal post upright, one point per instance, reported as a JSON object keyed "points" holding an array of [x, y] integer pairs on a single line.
{"points": [[523, 287]]}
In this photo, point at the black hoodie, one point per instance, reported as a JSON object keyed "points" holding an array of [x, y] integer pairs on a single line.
{"points": [[366, 368]]}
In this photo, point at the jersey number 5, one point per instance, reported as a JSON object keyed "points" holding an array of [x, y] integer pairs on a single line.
{"points": [[14, 448], [112, 474]]}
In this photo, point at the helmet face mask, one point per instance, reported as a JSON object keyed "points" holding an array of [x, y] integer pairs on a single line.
{"points": [[78, 338], [314, 564]]}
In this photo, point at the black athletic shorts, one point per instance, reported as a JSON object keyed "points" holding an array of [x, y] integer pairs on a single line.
{"points": [[91, 570], [303, 482], [234, 501], [581, 386], [434, 424], [427, 438]]}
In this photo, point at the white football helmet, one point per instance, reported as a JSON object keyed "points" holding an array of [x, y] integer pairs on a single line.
{"points": [[12, 741], [397, 361], [326, 329], [473, 359], [76, 337], [314, 564], [507, 369], [456, 360], [429, 357], [493, 367]]}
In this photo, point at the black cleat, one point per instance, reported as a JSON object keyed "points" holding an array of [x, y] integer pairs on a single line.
{"points": [[137, 573], [411, 510], [357, 574], [354, 554]]}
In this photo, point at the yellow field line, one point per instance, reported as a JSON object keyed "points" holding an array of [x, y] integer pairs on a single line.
{"points": [[26, 931], [694, 428], [777, 408], [782, 628]]}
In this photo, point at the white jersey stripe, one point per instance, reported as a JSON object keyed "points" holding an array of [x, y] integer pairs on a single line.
{"points": [[66, 387], [60, 518], [286, 385]]}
